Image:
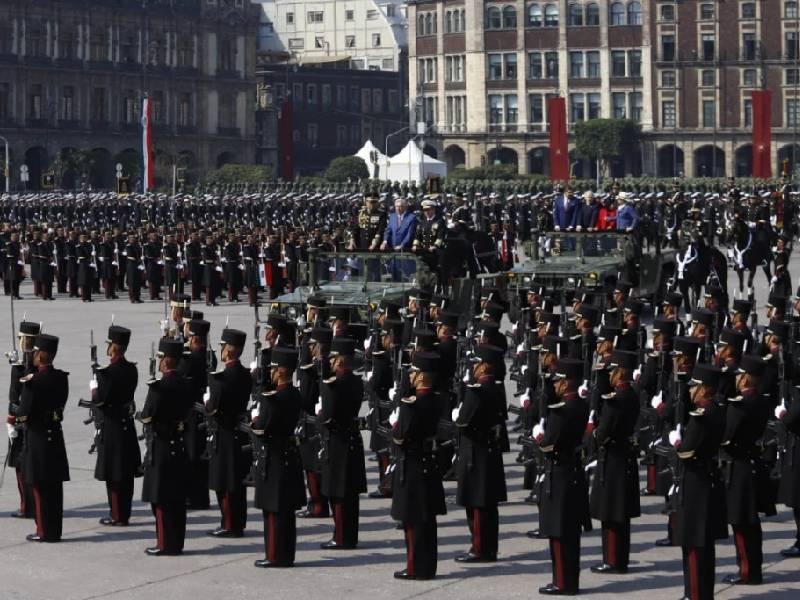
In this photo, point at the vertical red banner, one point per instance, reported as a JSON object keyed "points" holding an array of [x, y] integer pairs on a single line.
{"points": [[286, 141], [147, 145], [559, 152], [762, 134]]}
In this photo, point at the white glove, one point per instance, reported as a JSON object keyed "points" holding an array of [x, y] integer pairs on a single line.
{"points": [[254, 413], [524, 398], [521, 348], [369, 376], [141, 267], [393, 418], [455, 413], [514, 330], [332, 269], [254, 365], [465, 379], [583, 391], [674, 437], [780, 410], [207, 395], [524, 368], [637, 373], [538, 430], [12, 431], [656, 401], [160, 262], [648, 345], [164, 326], [774, 279], [392, 393], [318, 406], [367, 343], [241, 267], [92, 385], [592, 416], [590, 466]]}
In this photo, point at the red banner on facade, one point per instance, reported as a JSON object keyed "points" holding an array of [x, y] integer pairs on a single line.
{"points": [[762, 134], [286, 141], [559, 152]]}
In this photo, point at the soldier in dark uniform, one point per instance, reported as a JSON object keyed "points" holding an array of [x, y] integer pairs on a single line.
{"points": [[118, 457], [371, 227], [85, 256], [745, 421], [35, 262], [194, 262], [72, 264], [166, 465], [172, 278], [153, 265], [788, 415], [564, 497], [417, 492], [211, 271], [481, 478], [48, 266], [108, 266], [700, 518], [195, 366], [229, 392], [429, 236], [233, 267], [16, 434], [250, 276], [277, 470], [343, 473], [615, 491], [41, 411], [14, 267], [134, 266]]}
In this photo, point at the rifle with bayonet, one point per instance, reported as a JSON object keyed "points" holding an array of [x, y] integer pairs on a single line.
{"points": [[95, 414]]}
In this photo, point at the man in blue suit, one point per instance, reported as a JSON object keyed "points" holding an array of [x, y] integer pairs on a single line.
{"points": [[627, 217], [399, 236], [565, 211]]}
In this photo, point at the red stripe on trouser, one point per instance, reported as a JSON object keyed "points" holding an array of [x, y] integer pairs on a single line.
{"points": [[611, 539], [477, 545], [555, 544], [741, 550], [23, 507], [338, 528], [227, 518], [694, 584], [651, 478], [37, 501], [271, 538], [313, 490], [409, 551], [208, 295], [160, 528], [114, 502]]}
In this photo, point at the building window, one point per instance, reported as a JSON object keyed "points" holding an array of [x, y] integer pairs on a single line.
{"points": [[99, 108], [668, 79], [510, 63], [790, 9], [667, 12], [387, 64], [617, 13], [536, 104], [315, 16], [747, 112], [534, 65], [376, 40], [130, 108], [593, 65], [377, 101], [349, 15], [319, 42], [593, 14], [341, 96], [635, 63], [311, 94], [792, 47], [668, 113], [372, 15], [618, 63], [391, 100], [708, 45], [534, 15], [495, 109], [296, 43], [35, 102], [618, 105], [792, 77], [312, 134], [509, 17], [593, 101], [668, 47], [709, 77], [495, 67], [577, 108], [290, 18], [706, 11], [636, 102], [749, 46], [793, 112], [551, 15], [5, 107], [297, 94], [749, 10], [709, 113], [341, 136], [366, 101], [454, 68], [184, 110], [511, 109], [67, 112], [575, 15], [389, 10], [350, 41], [635, 13], [551, 65], [576, 65], [327, 95], [427, 70], [494, 19]]}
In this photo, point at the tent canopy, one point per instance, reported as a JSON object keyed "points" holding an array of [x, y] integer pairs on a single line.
{"points": [[364, 154], [412, 164]]}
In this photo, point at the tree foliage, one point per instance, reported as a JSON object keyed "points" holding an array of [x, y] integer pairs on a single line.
{"points": [[605, 139], [234, 173], [347, 168]]}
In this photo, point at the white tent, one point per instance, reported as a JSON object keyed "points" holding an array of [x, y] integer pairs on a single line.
{"points": [[412, 164], [364, 154]]}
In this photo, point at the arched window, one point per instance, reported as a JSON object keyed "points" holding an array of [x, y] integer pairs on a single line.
{"points": [[592, 14], [434, 22], [635, 13], [534, 15], [617, 13], [448, 22], [790, 9], [428, 24], [575, 15], [509, 17], [421, 25], [493, 18], [551, 15], [463, 25]]}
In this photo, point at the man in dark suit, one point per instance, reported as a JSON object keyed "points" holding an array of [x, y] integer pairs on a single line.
{"points": [[399, 236], [565, 211]]}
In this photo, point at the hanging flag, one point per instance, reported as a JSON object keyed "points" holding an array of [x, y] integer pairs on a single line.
{"points": [[286, 141], [762, 134], [559, 152], [147, 145]]}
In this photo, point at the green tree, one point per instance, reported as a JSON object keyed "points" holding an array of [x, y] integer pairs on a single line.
{"points": [[233, 173], [344, 168], [606, 139]]}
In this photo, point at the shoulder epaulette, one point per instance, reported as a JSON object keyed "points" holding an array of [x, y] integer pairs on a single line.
{"points": [[698, 412], [556, 405], [329, 380], [608, 396], [269, 393], [473, 385], [409, 399]]}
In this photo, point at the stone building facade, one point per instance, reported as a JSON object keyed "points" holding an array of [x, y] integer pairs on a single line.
{"points": [[481, 72], [73, 74]]}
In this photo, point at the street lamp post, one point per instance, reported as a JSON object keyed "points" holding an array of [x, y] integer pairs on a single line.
{"points": [[386, 149], [8, 170]]}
